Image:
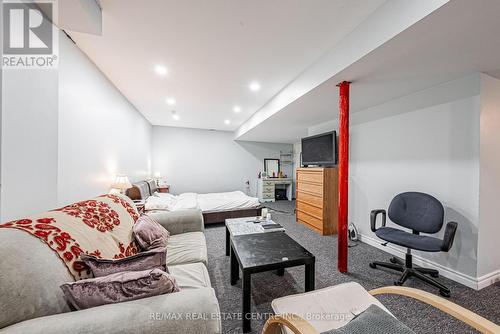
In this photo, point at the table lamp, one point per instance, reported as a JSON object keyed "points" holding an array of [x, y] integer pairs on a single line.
{"points": [[121, 183]]}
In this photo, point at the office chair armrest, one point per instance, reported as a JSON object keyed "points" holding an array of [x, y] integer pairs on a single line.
{"points": [[373, 218], [449, 235]]}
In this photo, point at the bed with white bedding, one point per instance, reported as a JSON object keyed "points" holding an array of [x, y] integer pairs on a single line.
{"points": [[215, 207], [205, 202]]}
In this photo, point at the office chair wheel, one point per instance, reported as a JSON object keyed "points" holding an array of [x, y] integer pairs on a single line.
{"points": [[435, 275], [398, 283], [444, 293], [373, 265], [393, 260]]}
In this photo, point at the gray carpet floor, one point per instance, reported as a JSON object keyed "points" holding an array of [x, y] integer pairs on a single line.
{"points": [[267, 286]]}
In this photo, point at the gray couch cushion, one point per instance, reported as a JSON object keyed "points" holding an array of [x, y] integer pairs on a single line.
{"points": [[186, 248], [30, 276], [190, 276], [177, 222], [145, 316]]}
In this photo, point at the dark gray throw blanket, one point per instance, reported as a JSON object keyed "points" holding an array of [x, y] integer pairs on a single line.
{"points": [[373, 320]]}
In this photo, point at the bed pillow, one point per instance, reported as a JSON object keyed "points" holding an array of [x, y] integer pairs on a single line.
{"points": [[151, 259], [158, 202], [149, 234], [117, 288], [373, 320], [164, 195], [186, 201]]}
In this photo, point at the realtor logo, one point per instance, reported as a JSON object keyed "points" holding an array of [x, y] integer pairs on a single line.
{"points": [[28, 35]]}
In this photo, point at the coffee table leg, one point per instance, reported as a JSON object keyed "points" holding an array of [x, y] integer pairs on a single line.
{"points": [[227, 242], [281, 272], [234, 268], [309, 277], [246, 302]]}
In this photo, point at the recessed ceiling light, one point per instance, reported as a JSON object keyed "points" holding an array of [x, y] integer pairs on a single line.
{"points": [[236, 109], [227, 122], [171, 101], [175, 115], [161, 70], [254, 86]]}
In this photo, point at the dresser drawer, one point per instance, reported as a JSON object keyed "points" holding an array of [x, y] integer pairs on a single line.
{"points": [[315, 222], [309, 209], [268, 189], [268, 183], [268, 195], [315, 189], [314, 177], [314, 200]]}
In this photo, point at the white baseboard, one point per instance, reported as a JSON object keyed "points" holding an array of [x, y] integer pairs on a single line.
{"points": [[488, 279], [472, 282]]}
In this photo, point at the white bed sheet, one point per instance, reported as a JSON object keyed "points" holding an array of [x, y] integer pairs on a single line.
{"points": [[226, 201], [169, 202], [206, 202]]}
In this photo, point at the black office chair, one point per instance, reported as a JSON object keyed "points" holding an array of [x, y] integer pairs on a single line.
{"points": [[421, 213]]}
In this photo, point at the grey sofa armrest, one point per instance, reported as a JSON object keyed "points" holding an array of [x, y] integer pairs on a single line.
{"points": [[188, 311], [177, 222]]}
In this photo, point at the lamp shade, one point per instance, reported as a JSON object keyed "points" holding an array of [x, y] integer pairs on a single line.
{"points": [[121, 182]]}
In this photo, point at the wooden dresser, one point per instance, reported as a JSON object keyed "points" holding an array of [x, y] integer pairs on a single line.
{"points": [[317, 199]]}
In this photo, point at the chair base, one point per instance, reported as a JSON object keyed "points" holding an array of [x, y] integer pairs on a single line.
{"points": [[409, 271]]}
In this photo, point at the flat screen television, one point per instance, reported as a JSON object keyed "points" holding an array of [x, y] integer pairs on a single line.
{"points": [[320, 150]]}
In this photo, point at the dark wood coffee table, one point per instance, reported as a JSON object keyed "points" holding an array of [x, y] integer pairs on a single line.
{"points": [[255, 253]]}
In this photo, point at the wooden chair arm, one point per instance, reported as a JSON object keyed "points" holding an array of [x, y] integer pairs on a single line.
{"points": [[294, 322], [300, 326], [472, 319]]}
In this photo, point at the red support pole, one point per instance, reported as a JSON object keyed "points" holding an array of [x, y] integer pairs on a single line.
{"points": [[343, 175]]}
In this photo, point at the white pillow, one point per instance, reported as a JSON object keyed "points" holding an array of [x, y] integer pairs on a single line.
{"points": [[186, 201], [160, 203]]}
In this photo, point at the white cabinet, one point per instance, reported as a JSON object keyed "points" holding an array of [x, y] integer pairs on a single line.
{"points": [[266, 188]]}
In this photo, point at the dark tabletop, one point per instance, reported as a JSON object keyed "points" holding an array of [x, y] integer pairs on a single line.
{"points": [[269, 249]]}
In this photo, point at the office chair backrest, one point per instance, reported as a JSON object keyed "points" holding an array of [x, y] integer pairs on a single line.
{"points": [[417, 211]]}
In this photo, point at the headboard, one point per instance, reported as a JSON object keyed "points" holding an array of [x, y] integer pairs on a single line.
{"points": [[152, 186], [142, 189]]}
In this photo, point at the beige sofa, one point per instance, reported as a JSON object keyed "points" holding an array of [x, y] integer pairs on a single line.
{"points": [[32, 302]]}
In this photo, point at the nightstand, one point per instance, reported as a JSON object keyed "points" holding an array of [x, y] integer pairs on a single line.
{"points": [[165, 189]]}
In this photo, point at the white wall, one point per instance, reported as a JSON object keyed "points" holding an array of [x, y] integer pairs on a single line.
{"points": [[428, 142], [323, 127], [29, 142], [65, 133], [488, 264], [460, 88], [433, 150], [100, 133], [1, 110], [204, 161]]}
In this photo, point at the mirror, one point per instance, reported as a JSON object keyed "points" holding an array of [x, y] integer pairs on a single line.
{"points": [[272, 166]]}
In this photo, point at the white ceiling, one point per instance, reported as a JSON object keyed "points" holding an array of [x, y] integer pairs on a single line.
{"points": [[213, 50], [457, 39]]}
